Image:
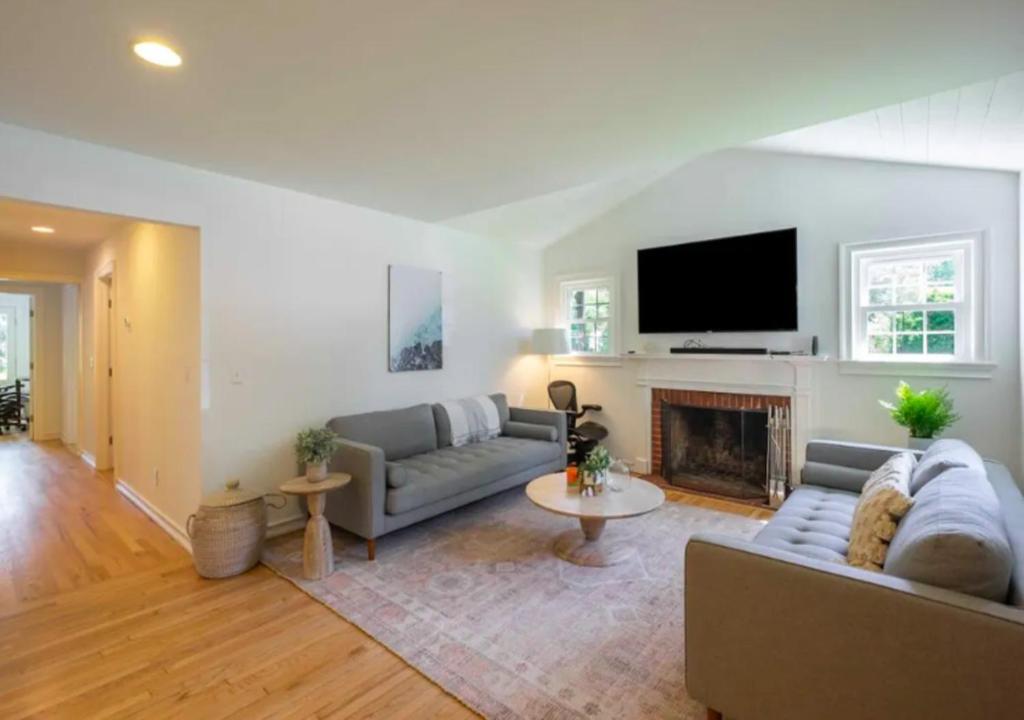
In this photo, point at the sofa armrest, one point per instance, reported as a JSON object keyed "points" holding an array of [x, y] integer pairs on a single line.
{"points": [[773, 635], [554, 418], [359, 506], [843, 465], [530, 431]]}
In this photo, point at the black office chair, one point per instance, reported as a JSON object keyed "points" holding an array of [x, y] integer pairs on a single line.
{"points": [[583, 437]]}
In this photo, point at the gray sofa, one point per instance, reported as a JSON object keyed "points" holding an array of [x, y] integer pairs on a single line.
{"points": [[779, 629], [404, 468]]}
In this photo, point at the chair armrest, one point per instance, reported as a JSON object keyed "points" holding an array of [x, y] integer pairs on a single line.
{"points": [[530, 431], [359, 506], [585, 408], [553, 418], [773, 635]]}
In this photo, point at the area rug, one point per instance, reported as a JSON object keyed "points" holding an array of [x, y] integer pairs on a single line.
{"points": [[478, 602]]}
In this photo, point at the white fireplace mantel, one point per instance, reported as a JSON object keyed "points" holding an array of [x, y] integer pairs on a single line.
{"points": [[792, 376]]}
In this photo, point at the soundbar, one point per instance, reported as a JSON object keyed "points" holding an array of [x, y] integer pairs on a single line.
{"points": [[718, 351]]}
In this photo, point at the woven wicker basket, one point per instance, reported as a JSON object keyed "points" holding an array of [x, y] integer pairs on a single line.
{"points": [[228, 530]]}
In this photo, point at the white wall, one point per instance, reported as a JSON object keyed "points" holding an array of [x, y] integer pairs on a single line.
{"points": [[70, 366], [47, 353], [830, 201], [294, 298]]}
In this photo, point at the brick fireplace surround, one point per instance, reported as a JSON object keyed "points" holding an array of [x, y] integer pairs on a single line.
{"points": [[703, 399]]}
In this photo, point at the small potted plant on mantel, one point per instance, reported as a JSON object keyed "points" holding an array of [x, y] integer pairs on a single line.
{"points": [[315, 446], [925, 413]]}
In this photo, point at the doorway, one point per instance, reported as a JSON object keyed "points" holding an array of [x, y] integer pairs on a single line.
{"points": [[16, 365]]}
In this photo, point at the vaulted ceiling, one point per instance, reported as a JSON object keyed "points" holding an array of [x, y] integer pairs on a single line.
{"points": [[439, 109]]}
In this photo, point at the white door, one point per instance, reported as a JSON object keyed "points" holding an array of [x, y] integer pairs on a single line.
{"points": [[8, 346]]}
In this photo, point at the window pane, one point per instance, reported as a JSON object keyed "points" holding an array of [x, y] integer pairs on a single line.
{"points": [[880, 344], [909, 321], [590, 295], [941, 271], [575, 312], [880, 296], [577, 297], [941, 293], [941, 344], [603, 295], [590, 312], [880, 274], [909, 344], [908, 295], [602, 311], [880, 322], [941, 320], [908, 273]]}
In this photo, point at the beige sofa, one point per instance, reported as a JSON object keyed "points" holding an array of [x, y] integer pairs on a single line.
{"points": [[774, 632]]}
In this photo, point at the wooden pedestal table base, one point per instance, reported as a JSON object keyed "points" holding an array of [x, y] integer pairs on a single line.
{"points": [[591, 547], [318, 550]]}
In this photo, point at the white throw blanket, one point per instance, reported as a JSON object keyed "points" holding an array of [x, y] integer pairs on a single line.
{"points": [[472, 419]]}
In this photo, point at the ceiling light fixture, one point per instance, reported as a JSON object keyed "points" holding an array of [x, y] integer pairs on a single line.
{"points": [[157, 53], [42, 229]]}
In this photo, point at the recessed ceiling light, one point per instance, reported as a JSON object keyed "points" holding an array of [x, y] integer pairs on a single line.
{"points": [[157, 53], [42, 229]]}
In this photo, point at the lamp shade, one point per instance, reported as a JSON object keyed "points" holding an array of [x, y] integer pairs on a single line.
{"points": [[550, 341]]}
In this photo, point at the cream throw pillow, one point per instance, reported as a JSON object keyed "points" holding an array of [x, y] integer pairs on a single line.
{"points": [[883, 501]]}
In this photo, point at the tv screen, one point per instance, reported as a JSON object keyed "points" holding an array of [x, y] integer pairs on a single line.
{"points": [[738, 284]]}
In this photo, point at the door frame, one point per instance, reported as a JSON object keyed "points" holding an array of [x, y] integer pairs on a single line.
{"points": [[104, 355]]}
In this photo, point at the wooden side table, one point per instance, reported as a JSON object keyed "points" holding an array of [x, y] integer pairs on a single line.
{"points": [[317, 550]]}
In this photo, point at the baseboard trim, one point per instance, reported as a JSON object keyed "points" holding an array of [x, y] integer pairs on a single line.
{"points": [[155, 514], [89, 459], [285, 525]]}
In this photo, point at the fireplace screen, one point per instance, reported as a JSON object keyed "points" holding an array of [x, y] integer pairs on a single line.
{"points": [[718, 451]]}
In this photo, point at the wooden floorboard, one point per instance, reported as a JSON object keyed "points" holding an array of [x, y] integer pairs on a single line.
{"points": [[102, 616]]}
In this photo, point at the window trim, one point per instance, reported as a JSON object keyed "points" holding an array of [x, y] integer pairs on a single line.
{"points": [[566, 284], [975, 302]]}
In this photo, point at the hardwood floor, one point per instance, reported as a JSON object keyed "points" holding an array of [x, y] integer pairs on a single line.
{"points": [[102, 616]]}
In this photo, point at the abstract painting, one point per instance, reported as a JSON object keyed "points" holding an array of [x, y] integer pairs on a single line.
{"points": [[414, 319]]}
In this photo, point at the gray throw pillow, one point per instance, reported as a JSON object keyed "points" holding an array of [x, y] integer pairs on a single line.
{"points": [[942, 456], [953, 537]]}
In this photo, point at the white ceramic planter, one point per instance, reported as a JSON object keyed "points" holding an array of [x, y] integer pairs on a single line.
{"points": [[316, 472], [920, 443]]}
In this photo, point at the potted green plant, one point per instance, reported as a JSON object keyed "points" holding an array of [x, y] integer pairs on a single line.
{"points": [[595, 470], [925, 413], [315, 446]]}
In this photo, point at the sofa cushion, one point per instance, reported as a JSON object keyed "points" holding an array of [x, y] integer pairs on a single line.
{"points": [[444, 426], [941, 456], [1011, 505], [813, 522], [397, 475], [883, 501], [440, 474], [530, 431], [954, 537], [399, 433]]}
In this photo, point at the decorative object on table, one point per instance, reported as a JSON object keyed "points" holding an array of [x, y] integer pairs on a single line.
{"points": [[317, 550], [572, 478], [583, 437], [315, 447], [925, 413], [588, 547], [549, 342], [618, 476], [595, 471], [415, 322], [228, 530]]}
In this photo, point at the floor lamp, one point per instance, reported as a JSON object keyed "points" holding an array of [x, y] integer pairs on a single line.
{"points": [[550, 341]]}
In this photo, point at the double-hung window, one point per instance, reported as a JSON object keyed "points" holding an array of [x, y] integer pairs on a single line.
{"points": [[915, 300], [588, 311]]}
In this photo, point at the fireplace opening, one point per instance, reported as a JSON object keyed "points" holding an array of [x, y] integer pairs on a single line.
{"points": [[712, 450]]}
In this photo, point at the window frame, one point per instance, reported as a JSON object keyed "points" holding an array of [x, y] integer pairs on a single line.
{"points": [[970, 303], [569, 284]]}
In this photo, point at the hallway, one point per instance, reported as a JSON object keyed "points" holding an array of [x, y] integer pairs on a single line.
{"points": [[102, 615]]}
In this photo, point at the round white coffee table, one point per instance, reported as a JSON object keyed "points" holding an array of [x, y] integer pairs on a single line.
{"points": [[587, 547]]}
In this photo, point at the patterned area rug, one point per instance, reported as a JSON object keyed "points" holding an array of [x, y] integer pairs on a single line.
{"points": [[478, 602]]}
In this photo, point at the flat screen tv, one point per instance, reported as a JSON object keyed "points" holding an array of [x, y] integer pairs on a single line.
{"points": [[745, 283]]}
